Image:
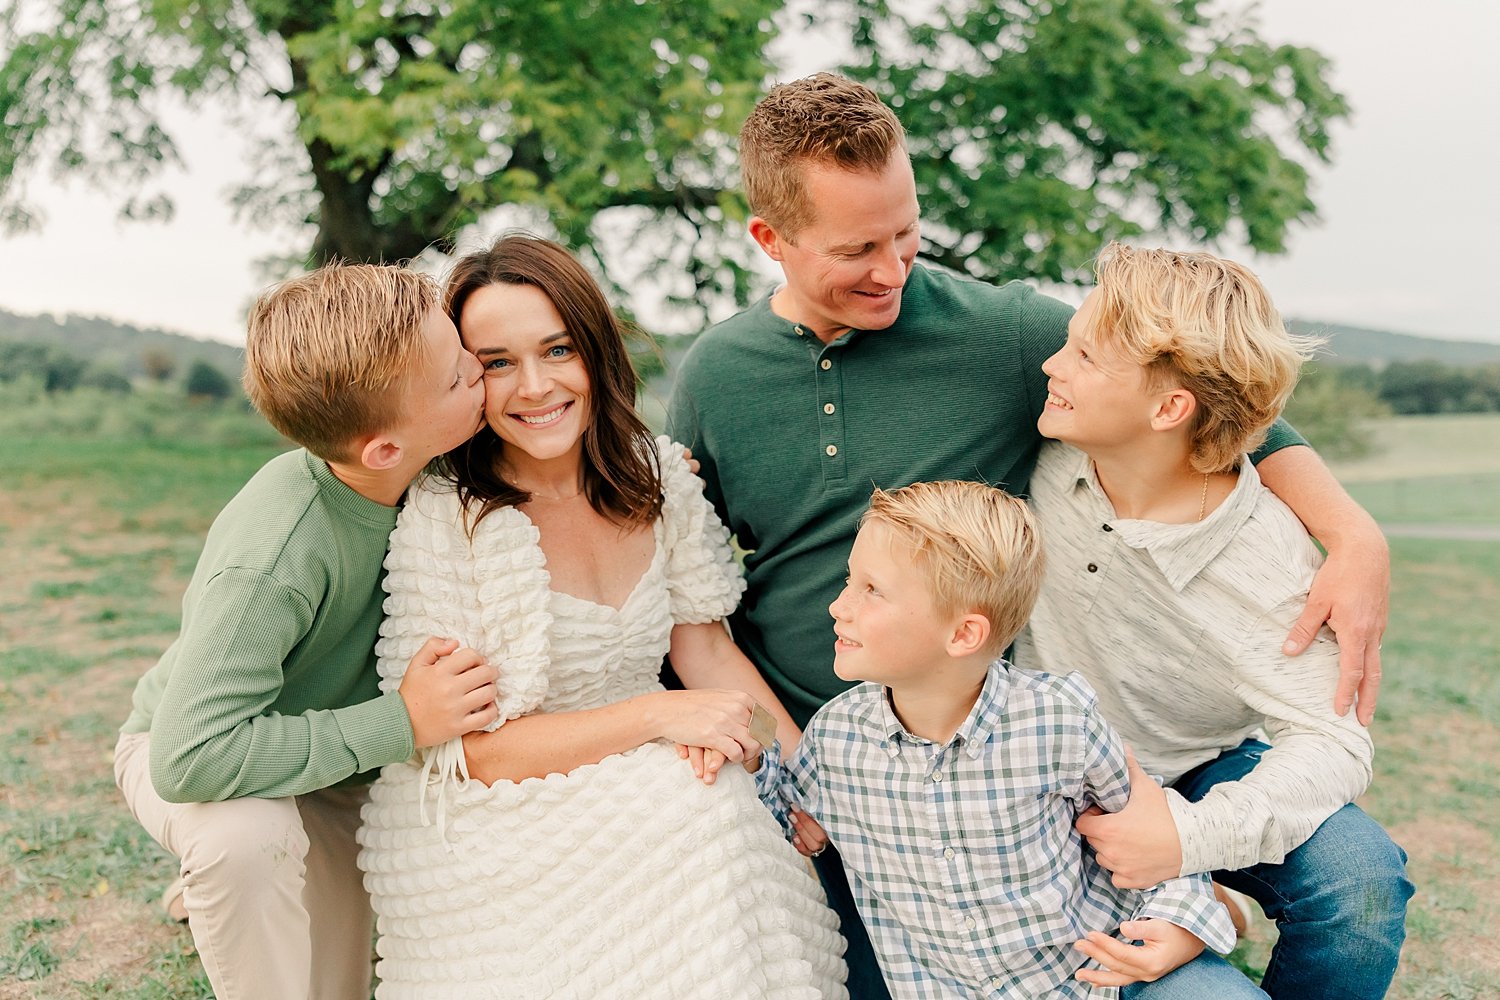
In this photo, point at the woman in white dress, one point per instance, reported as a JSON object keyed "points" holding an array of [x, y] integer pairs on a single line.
{"points": [[574, 851]]}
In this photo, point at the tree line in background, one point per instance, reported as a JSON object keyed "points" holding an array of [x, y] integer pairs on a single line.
{"points": [[55, 369], [1331, 405], [1039, 129]]}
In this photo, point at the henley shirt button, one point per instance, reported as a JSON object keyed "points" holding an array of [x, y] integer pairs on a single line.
{"points": [[827, 407], [825, 364], [799, 330], [1093, 567], [831, 450], [1107, 528]]}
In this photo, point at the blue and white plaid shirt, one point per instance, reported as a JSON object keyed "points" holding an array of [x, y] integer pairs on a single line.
{"points": [[963, 857]]}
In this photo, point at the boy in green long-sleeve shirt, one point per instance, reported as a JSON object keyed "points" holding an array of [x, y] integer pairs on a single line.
{"points": [[251, 742]]}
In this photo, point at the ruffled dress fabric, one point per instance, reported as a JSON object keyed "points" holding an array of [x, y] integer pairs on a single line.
{"points": [[628, 878]]}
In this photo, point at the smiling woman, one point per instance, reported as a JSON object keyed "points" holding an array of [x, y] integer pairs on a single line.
{"points": [[572, 844]]}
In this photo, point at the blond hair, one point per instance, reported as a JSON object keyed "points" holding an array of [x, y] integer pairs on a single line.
{"points": [[1206, 325], [327, 353], [979, 548], [826, 120]]}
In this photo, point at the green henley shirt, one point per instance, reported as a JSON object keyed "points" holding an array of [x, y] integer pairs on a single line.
{"points": [[793, 435], [270, 689]]}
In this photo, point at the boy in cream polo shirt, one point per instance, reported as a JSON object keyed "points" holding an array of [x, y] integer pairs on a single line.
{"points": [[1172, 579]]}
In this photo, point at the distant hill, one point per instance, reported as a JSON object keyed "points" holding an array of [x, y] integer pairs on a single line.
{"points": [[122, 345], [1353, 345], [117, 344]]}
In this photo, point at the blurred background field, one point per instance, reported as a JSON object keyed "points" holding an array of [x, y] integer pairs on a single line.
{"points": [[101, 530]]}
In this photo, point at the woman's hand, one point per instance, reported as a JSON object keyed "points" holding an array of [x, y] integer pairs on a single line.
{"points": [[711, 719], [808, 836], [1166, 947]]}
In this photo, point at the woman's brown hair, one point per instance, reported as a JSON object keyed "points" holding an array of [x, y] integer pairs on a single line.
{"points": [[620, 474]]}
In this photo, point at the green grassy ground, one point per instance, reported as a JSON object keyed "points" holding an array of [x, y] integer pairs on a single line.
{"points": [[100, 534]]}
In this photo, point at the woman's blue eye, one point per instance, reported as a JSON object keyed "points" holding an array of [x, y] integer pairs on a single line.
{"points": [[559, 351]]}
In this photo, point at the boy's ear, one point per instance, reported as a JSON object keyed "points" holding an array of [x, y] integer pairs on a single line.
{"points": [[1174, 408], [969, 635], [380, 453], [766, 235]]}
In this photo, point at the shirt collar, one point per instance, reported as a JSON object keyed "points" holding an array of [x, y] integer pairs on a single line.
{"points": [[977, 727], [1180, 551]]}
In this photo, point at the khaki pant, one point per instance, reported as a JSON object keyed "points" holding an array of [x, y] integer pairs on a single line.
{"points": [[275, 901]]}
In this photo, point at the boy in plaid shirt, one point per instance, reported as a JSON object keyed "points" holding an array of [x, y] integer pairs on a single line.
{"points": [[950, 781]]}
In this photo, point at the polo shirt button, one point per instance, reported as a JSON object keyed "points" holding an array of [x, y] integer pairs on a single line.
{"points": [[1093, 567], [799, 330], [825, 364], [831, 450], [827, 407]]}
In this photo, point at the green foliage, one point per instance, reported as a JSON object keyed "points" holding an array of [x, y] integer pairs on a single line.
{"points": [[151, 413], [1041, 130], [159, 363], [1332, 411], [135, 352], [1432, 387], [53, 369], [1038, 129], [204, 381]]}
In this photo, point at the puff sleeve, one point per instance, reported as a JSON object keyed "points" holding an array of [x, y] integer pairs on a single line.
{"points": [[704, 582]]}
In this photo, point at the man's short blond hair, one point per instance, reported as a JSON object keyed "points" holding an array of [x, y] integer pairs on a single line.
{"points": [[822, 120], [327, 353], [978, 547], [1201, 323]]}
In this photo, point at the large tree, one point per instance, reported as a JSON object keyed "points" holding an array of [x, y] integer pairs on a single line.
{"points": [[1038, 129]]}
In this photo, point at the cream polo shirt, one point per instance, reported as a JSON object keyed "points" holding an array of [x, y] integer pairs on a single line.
{"points": [[1179, 627]]}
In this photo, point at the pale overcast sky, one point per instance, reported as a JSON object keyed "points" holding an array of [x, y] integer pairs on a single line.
{"points": [[1406, 242]]}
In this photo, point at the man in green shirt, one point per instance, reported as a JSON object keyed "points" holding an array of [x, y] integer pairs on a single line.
{"points": [[866, 369], [251, 742]]}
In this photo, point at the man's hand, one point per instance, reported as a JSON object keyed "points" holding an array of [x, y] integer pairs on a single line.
{"points": [[1138, 844], [1166, 946], [1352, 594], [448, 692]]}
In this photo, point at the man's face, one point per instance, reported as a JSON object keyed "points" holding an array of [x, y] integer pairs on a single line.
{"points": [[845, 269]]}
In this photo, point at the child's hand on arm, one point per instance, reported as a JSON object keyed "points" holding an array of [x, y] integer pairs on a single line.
{"points": [[1165, 947], [448, 692]]}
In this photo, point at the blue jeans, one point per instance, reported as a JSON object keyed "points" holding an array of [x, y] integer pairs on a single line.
{"points": [[1339, 900], [1207, 977]]}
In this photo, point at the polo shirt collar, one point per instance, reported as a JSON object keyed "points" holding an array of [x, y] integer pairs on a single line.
{"points": [[1180, 551]]}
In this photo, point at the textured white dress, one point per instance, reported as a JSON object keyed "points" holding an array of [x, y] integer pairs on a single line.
{"points": [[624, 879]]}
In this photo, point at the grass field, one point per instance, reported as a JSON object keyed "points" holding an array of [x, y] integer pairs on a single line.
{"points": [[100, 535]]}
